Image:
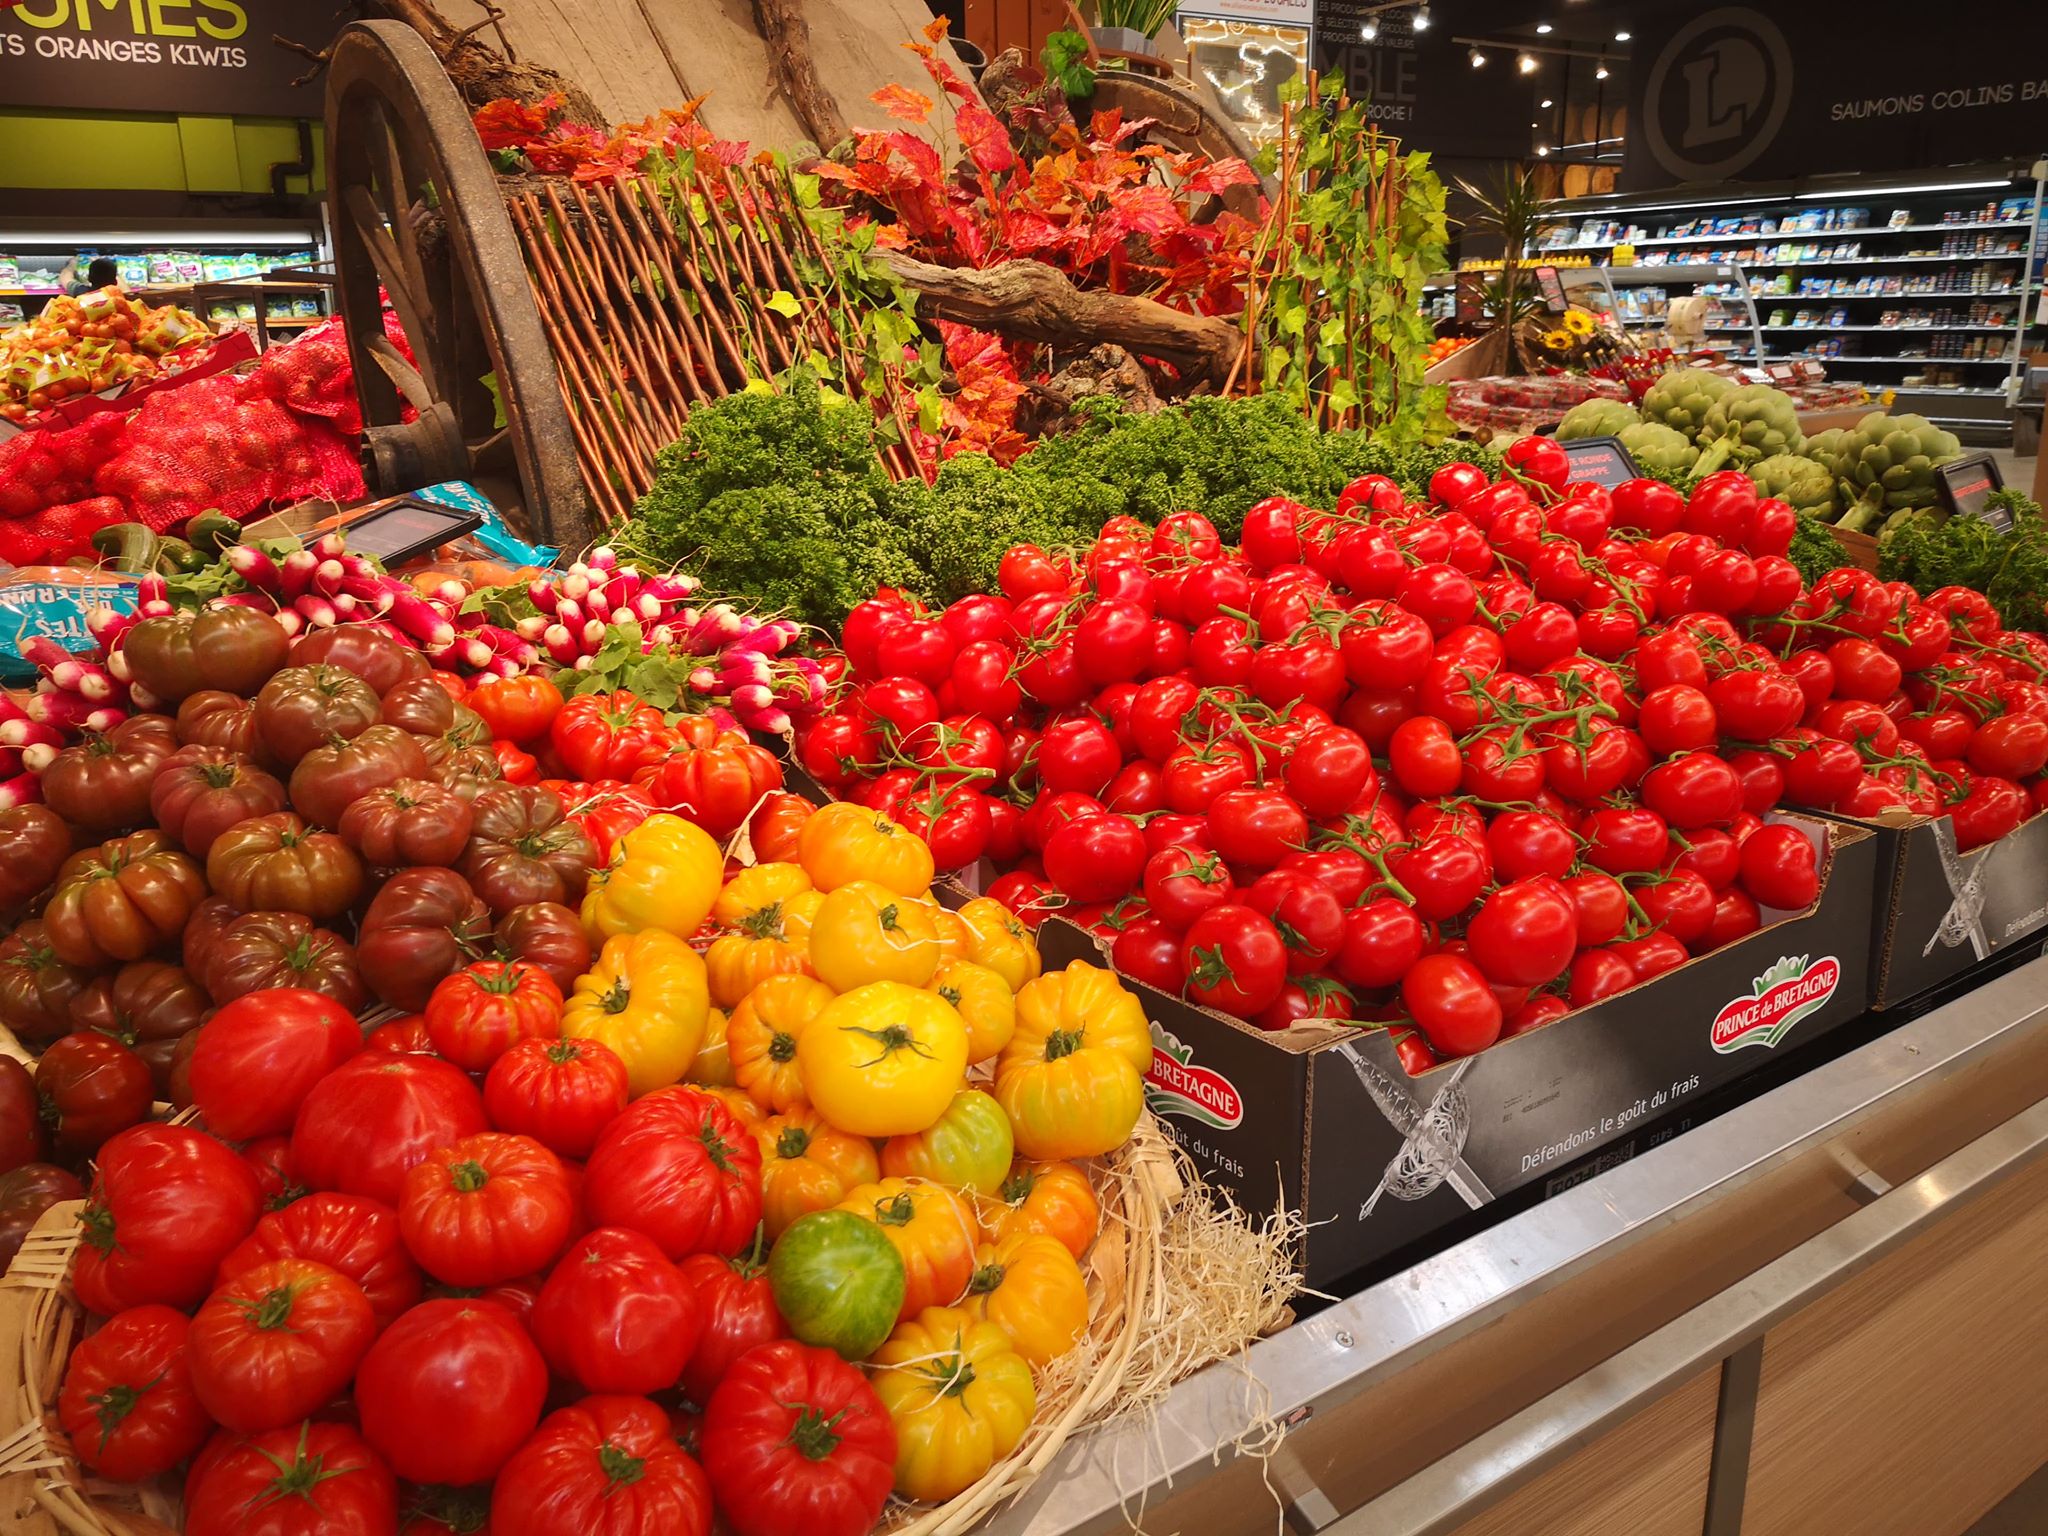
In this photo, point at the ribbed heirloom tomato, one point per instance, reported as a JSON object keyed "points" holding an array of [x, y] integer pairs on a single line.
{"points": [[127, 1402], [615, 1315]]}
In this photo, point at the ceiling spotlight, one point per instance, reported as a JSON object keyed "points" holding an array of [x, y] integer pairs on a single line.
{"points": [[1526, 63], [1547, 102], [1478, 59], [1600, 73], [1621, 37], [1369, 30], [1542, 149], [1543, 29], [1421, 19]]}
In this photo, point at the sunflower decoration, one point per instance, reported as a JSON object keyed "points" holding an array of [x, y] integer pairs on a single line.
{"points": [[1580, 322], [1559, 341], [1571, 340]]}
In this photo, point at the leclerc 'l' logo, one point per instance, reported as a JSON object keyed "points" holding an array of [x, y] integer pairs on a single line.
{"points": [[1177, 1086], [1785, 994]]}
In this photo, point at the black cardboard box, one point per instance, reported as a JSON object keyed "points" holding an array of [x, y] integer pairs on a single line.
{"points": [[1327, 1121], [1941, 912]]}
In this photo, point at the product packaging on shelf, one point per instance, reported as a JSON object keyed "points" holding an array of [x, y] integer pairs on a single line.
{"points": [[1326, 1120]]}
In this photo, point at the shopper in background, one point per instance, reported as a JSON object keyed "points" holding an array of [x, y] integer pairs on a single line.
{"points": [[101, 273]]}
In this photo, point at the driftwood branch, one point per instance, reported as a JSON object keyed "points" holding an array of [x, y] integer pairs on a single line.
{"points": [[788, 36], [1034, 302]]}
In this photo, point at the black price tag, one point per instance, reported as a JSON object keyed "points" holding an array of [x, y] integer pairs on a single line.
{"points": [[1552, 288], [1601, 460], [403, 529], [1966, 485]]}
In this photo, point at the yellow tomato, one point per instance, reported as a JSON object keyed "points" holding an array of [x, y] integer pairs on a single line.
{"points": [[930, 1228], [845, 842], [985, 1002], [647, 999], [882, 1060], [663, 874], [865, 932], [1072, 1077], [997, 940], [743, 1109], [762, 1037], [711, 1067], [959, 1395], [968, 1147], [807, 1166], [1031, 1288], [756, 887], [953, 935], [770, 940], [1051, 1199]]}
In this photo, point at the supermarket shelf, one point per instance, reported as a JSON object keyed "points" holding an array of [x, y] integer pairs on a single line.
{"points": [[1925, 293], [1809, 329], [1981, 362], [1796, 234]]}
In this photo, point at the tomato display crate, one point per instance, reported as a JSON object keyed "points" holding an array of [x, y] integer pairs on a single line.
{"points": [[1940, 912], [1326, 1120]]}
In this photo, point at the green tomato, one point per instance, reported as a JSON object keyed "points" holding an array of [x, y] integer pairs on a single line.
{"points": [[838, 1282]]}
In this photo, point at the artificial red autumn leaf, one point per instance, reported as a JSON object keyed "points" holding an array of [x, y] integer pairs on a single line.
{"points": [[902, 103], [508, 124], [987, 141], [1219, 176]]}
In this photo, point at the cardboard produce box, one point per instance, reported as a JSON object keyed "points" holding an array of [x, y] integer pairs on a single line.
{"points": [[1941, 912], [1327, 1121]]}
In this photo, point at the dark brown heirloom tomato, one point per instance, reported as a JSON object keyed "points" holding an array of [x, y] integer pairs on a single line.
{"points": [[211, 718], [306, 707], [36, 987], [279, 864], [420, 705], [90, 1087], [208, 922], [200, 792], [121, 900], [25, 1194], [34, 843], [102, 784], [21, 1121], [282, 949], [467, 767], [370, 654], [548, 937], [233, 649], [423, 925], [147, 1006], [521, 850], [330, 778], [408, 823]]}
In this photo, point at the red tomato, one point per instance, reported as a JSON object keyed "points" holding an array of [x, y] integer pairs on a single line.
{"points": [[678, 1167], [257, 1059], [487, 1209], [1382, 940], [1306, 997], [794, 1439], [1256, 825], [372, 1118], [484, 1009], [167, 1204], [1625, 839], [1309, 918], [1329, 770], [609, 1466], [1696, 790], [714, 785], [1779, 868], [1424, 757], [1735, 915], [350, 1234], [127, 1401], [1234, 960], [1078, 755], [309, 1479], [450, 1390], [1651, 955], [517, 709], [1451, 1004], [1096, 858], [616, 1316], [1681, 904], [274, 1344], [1677, 718], [562, 1093], [608, 736], [1712, 855], [1525, 843], [1524, 933], [1148, 950], [1271, 535], [1649, 506], [739, 1315], [1597, 974], [1443, 873], [2010, 746], [1181, 884], [1600, 906]]}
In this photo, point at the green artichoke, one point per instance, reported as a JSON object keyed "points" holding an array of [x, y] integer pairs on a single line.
{"points": [[1887, 467], [1681, 399], [1802, 483], [1825, 449], [1659, 452], [1597, 418], [1747, 424]]}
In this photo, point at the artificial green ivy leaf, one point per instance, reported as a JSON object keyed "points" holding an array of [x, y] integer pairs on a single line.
{"points": [[783, 302]]}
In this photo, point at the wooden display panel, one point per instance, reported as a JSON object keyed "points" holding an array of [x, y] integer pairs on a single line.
{"points": [[1648, 1477], [1915, 1397]]}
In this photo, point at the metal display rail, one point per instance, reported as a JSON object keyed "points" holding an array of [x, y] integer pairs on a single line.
{"points": [[1422, 1403]]}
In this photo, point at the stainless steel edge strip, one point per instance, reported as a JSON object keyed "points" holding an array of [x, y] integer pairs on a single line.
{"points": [[1351, 1346]]}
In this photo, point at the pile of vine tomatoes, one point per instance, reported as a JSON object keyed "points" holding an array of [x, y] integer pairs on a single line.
{"points": [[1466, 762]]}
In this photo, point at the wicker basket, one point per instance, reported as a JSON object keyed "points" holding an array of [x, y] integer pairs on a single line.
{"points": [[45, 1492]]}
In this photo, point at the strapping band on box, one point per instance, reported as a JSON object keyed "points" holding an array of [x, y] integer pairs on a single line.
{"points": [[1432, 1138], [1964, 921]]}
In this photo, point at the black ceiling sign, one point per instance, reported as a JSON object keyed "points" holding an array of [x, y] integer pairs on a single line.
{"points": [[1420, 86]]}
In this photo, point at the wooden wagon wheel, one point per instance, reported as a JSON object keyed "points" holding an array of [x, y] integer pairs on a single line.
{"points": [[1182, 120], [416, 212]]}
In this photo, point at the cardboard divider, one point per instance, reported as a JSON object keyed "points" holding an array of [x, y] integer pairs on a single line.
{"points": [[1325, 1119]]}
